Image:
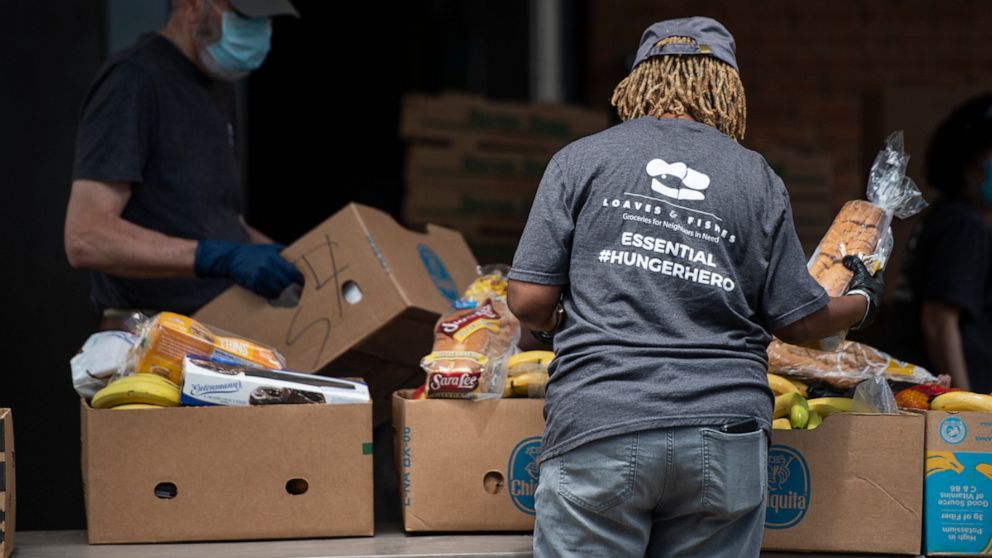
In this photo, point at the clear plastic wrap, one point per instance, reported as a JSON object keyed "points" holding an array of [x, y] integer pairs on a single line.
{"points": [[844, 367], [164, 340], [101, 357], [874, 396], [862, 228], [473, 342]]}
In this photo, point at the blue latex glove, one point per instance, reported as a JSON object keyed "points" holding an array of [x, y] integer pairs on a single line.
{"points": [[258, 267]]}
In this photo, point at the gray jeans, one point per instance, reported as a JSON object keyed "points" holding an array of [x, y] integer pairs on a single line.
{"points": [[685, 491]]}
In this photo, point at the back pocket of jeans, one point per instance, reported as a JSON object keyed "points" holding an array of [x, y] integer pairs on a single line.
{"points": [[734, 476], [599, 475]]}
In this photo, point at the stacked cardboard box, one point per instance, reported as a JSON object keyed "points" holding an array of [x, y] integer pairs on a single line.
{"points": [[7, 484], [474, 164]]}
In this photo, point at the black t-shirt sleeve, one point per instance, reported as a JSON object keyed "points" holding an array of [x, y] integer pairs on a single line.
{"points": [[960, 264], [117, 126]]}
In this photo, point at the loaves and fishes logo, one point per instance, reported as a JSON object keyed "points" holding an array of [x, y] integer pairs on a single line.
{"points": [[443, 280], [953, 430], [788, 488], [524, 472], [690, 185]]}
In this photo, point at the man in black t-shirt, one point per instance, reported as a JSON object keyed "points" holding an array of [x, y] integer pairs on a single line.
{"points": [[941, 313], [156, 209]]}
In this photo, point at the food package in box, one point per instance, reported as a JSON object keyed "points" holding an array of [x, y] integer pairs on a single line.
{"points": [[167, 338], [843, 367]]}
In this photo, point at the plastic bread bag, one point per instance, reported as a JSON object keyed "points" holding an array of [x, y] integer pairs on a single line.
{"points": [[101, 357], [874, 396], [862, 228], [473, 342], [843, 367], [164, 340]]}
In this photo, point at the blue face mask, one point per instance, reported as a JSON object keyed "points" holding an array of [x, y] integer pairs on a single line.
{"points": [[985, 190], [242, 46]]}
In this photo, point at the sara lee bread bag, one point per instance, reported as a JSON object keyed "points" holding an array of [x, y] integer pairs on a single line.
{"points": [[473, 342]]}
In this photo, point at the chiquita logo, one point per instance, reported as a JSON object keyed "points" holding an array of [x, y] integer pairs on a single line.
{"points": [[788, 488], [524, 471], [443, 280]]}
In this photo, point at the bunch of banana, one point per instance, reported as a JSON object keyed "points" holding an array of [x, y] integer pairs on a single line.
{"points": [[793, 411], [781, 385], [962, 401], [138, 389], [527, 374]]}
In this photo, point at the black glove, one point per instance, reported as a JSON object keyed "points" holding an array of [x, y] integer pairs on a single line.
{"points": [[865, 284], [258, 267]]}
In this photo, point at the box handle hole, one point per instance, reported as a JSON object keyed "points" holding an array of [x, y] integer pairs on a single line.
{"points": [[297, 486], [492, 482], [352, 292], [166, 490]]}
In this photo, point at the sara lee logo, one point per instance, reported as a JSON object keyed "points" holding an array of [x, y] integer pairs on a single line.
{"points": [[691, 186], [458, 382], [524, 471], [953, 430], [788, 488], [486, 311]]}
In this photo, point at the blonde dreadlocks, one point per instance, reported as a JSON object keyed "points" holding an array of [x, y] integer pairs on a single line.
{"points": [[702, 87]]}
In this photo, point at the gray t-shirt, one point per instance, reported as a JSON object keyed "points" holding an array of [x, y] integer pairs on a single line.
{"points": [[678, 254]]}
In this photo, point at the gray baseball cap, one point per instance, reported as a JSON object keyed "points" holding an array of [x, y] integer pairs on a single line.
{"points": [[712, 38], [264, 8]]}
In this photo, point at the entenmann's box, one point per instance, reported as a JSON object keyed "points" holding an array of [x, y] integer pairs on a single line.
{"points": [[958, 492], [855, 484], [468, 465], [227, 473]]}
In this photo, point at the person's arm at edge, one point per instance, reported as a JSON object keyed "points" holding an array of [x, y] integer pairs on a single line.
{"points": [[534, 304], [942, 337], [98, 238], [839, 314], [257, 236]]}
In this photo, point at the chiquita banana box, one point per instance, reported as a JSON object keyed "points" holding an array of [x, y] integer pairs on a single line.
{"points": [[958, 485]]}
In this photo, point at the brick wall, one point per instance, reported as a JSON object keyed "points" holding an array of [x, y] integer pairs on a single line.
{"points": [[809, 66]]}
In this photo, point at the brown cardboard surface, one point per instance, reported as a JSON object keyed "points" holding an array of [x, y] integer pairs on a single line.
{"points": [[407, 279], [8, 484], [230, 466], [501, 125], [865, 485], [467, 465]]}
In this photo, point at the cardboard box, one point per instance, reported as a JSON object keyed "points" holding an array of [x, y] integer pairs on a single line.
{"points": [[468, 465], [958, 489], [227, 473], [373, 293], [8, 484], [496, 125], [855, 484]]}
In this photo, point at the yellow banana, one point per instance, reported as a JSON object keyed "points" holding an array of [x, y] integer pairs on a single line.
{"points": [[826, 406], [799, 413], [145, 388], [530, 384], [803, 388], [940, 461], [137, 406], [814, 420], [528, 361], [985, 469], [780, 385], [782, 424], [508, 388], [962, 401]]}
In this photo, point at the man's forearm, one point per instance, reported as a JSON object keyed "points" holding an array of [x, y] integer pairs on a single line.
{"points": [[839, 314], [119, 247]]}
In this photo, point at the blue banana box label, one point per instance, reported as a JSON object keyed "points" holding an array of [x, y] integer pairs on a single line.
{"points": [[788, 488], [524, 471]]}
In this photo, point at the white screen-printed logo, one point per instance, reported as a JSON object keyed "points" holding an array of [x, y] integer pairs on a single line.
{"points": [[691, 182]]}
